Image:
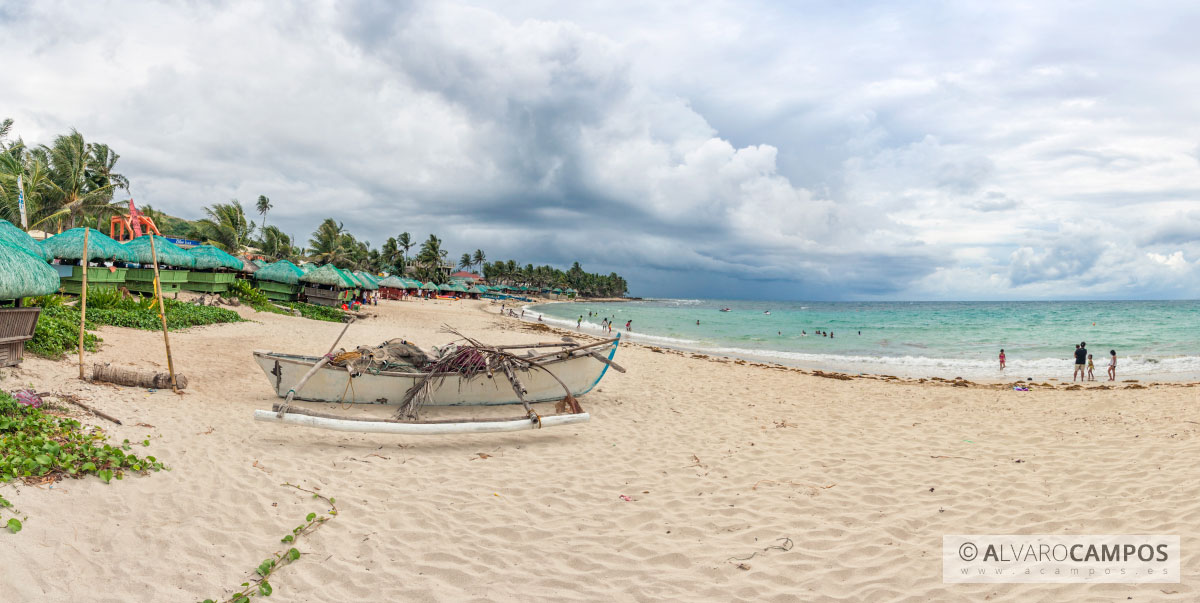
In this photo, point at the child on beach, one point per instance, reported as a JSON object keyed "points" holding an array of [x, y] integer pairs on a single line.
{"points": [[1091, 369], [1001, 359], [1112, 365]]}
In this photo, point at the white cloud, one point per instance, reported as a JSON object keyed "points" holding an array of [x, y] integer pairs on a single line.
{"points": [[989, 151]]}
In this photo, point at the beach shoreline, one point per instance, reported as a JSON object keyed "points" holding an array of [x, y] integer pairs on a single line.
{"points": [[690, 469], [900, 366]]}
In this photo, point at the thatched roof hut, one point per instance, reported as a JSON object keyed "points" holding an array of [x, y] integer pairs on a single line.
{"points": [[393, 282], [330, 276], [23, 274], [69, 246], [211, 258], [430, 286], [282, 271], [365, 280], [168, 253], [12, 234]]}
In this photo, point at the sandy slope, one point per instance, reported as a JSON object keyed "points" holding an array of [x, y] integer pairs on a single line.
{"points": [[720, 460]]}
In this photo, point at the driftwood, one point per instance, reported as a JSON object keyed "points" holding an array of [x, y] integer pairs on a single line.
{"points": [[74, 400], [134, 378]]}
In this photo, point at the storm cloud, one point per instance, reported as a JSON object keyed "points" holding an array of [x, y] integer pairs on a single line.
{"points": [[754, 150]]}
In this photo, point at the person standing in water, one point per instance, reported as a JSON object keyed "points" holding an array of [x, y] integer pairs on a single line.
{"points": [[1112, 365], [1091, 369], [579, 322], [1001, 359], [627, 325]]}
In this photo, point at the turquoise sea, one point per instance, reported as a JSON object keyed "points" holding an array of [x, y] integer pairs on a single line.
{"points": [[1153, 339]]}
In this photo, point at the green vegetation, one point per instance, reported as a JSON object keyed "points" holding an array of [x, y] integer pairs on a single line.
{"points": [[57, 331], [38, 447], [315, 312], [258, 585], [250, 296]]}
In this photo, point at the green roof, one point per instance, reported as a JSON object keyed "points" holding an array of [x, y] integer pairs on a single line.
{"points": [[430, 286], [69, 246], [282, 271], [330, 275], [477, 289], [364, 280], [23, 274], [393, 282], [459, 287], [168, 253], [208, 257], [10, 233], [259, 262]]}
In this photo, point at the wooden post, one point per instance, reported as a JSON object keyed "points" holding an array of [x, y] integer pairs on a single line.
{"points": [[83, 298], [162, 313]]}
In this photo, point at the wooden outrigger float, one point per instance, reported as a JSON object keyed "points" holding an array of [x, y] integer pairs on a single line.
{"points": [[472, 374]]}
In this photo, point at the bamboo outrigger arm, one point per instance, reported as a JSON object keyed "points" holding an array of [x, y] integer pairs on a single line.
{"points": [[306, 418]]}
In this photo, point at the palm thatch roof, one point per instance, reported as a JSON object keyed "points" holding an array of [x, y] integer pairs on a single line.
{"points": [[476, 289], [69, 246], [330, 275], [393, 282], [365, 279], [430, 286], [169, 253], [10, 233], [210, 258], [282, 271], [23, 274]]}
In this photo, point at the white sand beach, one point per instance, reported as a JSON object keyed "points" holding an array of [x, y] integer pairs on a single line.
{"points": [[745, 482]]}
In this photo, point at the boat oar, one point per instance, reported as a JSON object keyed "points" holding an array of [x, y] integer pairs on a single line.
{"points": [[283, 408]]}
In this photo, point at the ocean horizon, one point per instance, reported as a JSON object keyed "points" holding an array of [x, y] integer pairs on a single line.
{"points": [[1154, 339]]}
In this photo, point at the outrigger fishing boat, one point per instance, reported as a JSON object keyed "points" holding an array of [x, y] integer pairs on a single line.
{"points": [[464, 374]]}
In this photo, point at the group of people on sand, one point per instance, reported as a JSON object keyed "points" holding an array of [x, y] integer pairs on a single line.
{"points": [[1083, 360], [1085, 366]]}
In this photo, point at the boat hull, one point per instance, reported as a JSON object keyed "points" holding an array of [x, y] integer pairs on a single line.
{"points": [[580, 373]]}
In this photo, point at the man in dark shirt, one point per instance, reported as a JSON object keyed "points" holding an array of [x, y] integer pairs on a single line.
{"points": [[1080, 360]]}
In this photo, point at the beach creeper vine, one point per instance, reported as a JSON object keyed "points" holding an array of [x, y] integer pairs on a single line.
{"points": [[258, 585], [39, 448]]}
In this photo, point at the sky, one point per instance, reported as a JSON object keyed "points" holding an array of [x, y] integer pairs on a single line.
{"points": [[783, 150]]}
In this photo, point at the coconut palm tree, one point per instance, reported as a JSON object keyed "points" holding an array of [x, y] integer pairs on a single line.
{"points": [[478, 258], [263, 206], [327, 244], [405, 243], [81, 179], [465, 261], [226, 226]]}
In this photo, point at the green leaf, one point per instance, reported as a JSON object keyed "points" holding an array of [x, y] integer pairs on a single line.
{"points": [[14, 525], [42, 459], [293, 554], [145, 442], [264, 588], [310, 517], [106, 475], [288, 538]]}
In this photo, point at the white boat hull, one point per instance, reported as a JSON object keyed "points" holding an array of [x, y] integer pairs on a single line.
{"points": [[580, 372]]}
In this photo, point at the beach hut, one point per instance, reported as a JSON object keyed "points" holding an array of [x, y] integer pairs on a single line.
{"points": [[280, 281], [476, 290], [393, 287], [174, 263], [68, 249], [214, 270], [22, 274], [13, 235], [368, 282], [329, 286]]}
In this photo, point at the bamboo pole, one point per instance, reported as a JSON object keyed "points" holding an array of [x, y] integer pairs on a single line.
{"points": [[162, 313], [83, 265], [283, 408]]}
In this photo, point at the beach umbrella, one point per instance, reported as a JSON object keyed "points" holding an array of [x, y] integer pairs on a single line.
{"points": [[69, 246], [209, 258], [331, 276], [10, 233], [169, 253], [282, 271], [23, 274]]}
